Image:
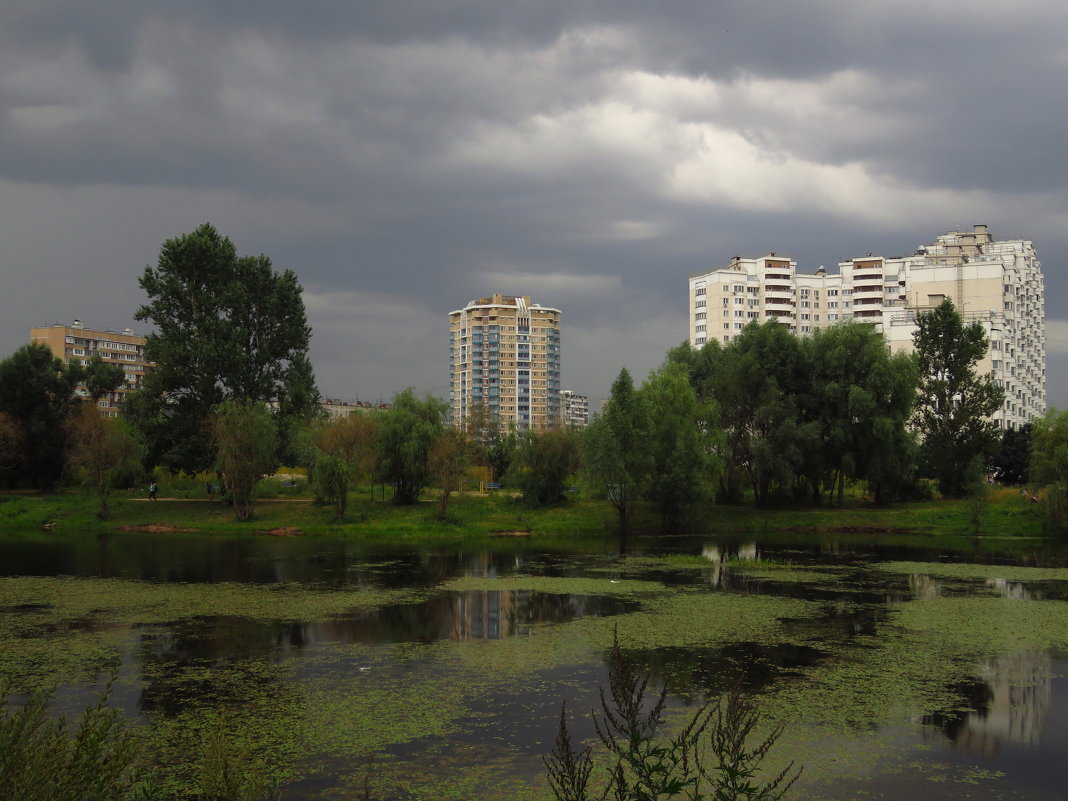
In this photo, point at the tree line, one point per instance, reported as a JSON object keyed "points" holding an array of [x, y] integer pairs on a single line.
{"points": [[769, 416]]}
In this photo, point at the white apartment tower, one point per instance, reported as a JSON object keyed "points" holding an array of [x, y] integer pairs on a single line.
{"points": [[504, 355], [997, 283]]}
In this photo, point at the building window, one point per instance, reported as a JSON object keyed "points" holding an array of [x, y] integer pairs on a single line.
{"points": [[699, 291]]}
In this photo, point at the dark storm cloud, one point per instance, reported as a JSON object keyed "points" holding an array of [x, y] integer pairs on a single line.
{"points": [[593, 154]]}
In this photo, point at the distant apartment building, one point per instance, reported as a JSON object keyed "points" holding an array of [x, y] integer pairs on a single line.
{"points": [[574, 409], [997, 283], [77, 344], [504, 356], [333, 407]]}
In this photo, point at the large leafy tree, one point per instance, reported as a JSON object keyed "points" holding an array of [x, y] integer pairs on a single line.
{"points": [[405, 435], [682, 435], [861, 400], [227, 326], [760, 385], [543, 462], [954, 404], [37, 395], [101, 377], [1011, 463], [617, 450]]}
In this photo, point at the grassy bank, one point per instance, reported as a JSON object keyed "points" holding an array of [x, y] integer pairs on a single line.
{"points": [[1004, 514]]}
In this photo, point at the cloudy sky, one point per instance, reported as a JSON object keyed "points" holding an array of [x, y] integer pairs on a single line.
{"points": [[406, 156]]}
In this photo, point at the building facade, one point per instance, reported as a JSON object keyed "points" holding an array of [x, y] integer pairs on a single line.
{"points": [[333, 407], [574, 409], [504, 357], [77, 344], [996, 283]]}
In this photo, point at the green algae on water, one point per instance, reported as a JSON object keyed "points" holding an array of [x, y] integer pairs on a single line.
{"points": [[956, 570]]}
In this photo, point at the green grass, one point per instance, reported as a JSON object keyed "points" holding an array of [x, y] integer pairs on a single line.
{"points": [[183, 505], [469, 516]]}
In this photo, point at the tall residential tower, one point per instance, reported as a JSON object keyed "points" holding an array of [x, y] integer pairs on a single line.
{"points": [[997, 283], [504, 356]]}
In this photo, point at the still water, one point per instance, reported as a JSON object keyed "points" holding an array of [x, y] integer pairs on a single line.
{"points": [[900, 667]]}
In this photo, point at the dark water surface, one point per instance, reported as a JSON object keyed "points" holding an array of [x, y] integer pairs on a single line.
{"points": [[448, 666]]}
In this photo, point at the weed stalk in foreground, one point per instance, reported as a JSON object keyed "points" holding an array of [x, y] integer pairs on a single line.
{"points": [[647, 768]]}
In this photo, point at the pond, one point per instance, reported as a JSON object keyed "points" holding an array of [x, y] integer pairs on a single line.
{"points": [[900, 667]]}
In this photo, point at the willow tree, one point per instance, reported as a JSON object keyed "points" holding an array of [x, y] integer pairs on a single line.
{"points": [[1049, 467], [245, 435], [405, 435], [340, 452]]}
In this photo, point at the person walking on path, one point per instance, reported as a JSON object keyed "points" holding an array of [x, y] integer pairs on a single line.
{"points": [[152, 491]]}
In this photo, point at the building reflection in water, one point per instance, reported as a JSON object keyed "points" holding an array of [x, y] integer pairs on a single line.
{"points": [[1009, 699], [924, 587], [718, 553], [1014, 590]]}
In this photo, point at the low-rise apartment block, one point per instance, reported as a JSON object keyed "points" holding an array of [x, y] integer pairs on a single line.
{"points": [[997, 283], [77, 344], [575, 409], [504, 357]]}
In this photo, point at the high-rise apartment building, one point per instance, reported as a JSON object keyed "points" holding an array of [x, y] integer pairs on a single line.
{"points": [[504, 356], [78, 344], [574, 409], [997, 283]]}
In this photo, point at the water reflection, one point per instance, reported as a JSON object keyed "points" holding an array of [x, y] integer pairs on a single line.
{"points": [[924, 587], [1008, 701], [458, 616], [1016, 590]]}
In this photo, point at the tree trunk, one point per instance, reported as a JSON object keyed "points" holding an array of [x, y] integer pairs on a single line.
{"points": [[103, 495]]}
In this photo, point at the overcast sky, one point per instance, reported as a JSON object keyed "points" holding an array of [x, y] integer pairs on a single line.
{"points": [[407, 156]]}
